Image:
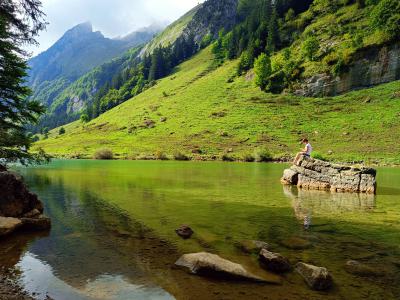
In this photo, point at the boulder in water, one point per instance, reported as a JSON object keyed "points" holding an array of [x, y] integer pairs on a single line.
{"points": [[315, 174], [184, 232], [274, 262], [8, 225], [40, 222], [356, 268], [317, 278], [18, 206], [15, 199], [251, 246], [208, 264], [295, 243]]}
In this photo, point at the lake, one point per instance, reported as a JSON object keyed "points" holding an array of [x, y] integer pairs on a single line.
{"points": [[113, 235]]}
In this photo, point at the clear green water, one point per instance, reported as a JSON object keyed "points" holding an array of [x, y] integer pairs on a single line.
{"points": [[113, 231]]}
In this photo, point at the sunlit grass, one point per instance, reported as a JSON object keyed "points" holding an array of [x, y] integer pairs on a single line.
{"points": [[204, 112]]}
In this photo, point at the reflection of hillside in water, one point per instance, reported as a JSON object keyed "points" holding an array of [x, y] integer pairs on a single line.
{"points": [[89, 240], [308, 202]]}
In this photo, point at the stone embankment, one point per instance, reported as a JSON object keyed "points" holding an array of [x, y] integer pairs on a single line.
{"points": [[19, 208], [315, 174]]}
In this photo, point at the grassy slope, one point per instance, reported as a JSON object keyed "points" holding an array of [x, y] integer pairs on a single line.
{"points": [[359, 125]]}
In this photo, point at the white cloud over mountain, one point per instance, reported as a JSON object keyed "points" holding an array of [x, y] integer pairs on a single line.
{"points": [[111, 17]]}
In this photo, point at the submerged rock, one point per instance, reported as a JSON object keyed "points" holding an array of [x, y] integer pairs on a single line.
{"points": [[8, 225], [317, 278], [184, 231], [356, 268], [40, 222], [274, 261], [295, 243], [208, 264], [251, 246], [315, 174], [18, 206]]}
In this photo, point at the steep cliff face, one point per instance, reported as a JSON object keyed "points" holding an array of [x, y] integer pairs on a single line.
{"points": [[208, 17], [211, 17], [370, 67]]}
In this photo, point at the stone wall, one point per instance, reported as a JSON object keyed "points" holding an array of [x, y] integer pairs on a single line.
{"points": [[315, 174], [370, 67]]}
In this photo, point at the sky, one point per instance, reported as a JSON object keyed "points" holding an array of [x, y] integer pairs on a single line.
{"points": [[112, 17]]}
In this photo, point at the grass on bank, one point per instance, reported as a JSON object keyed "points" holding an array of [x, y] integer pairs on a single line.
{"points": [[201, 114]]}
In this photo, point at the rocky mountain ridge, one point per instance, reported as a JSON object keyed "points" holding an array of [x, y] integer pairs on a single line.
{"points": [[77, 52]]}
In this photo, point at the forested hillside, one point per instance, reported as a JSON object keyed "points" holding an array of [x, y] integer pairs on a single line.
{"points": [[196, 113], [77, 52], [305, 48], [315, 48]]}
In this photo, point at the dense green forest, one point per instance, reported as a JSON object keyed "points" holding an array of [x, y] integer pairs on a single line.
{"points": [[266, 28]]}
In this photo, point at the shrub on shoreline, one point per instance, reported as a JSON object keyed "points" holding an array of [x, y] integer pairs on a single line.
{"points": [[248, 157], [180, 156], [263, 155], [226, 157], [161, 155], [103, 154]]}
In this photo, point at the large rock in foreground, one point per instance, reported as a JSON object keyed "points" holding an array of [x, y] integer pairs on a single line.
{"points": [[315, 174], [208, 264], [317, 278], [274, 262], [19, 207]]}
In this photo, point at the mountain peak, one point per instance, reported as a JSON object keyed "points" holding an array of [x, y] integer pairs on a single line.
{"points": [[85, 27]]}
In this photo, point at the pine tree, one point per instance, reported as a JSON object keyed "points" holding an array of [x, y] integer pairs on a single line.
{"points": [[273, 32], [156, 69], [20, 22], [267, 10], [218, 49]]}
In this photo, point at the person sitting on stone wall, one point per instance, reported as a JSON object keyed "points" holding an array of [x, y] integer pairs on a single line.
{"points": [[305, 152]]}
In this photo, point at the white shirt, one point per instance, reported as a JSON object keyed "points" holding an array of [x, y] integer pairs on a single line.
{"points": [[309, 149]]}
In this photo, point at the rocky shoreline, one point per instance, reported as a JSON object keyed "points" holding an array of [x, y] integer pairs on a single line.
{"points": [[11, 291], [283, 159], [19, 208]]}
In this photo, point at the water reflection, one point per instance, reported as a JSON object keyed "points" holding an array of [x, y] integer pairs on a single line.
{"points": [[113, 230], [38, 278], [307, 203]]}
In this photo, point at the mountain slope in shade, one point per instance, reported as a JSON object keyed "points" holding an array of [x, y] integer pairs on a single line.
{"points": [[77, 52]]}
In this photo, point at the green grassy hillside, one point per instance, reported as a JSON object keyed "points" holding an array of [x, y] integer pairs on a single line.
{"points": [[200, 112]]}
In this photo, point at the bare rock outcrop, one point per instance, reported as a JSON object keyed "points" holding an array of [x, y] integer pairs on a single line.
{"points": [[19, 207], [315, 174], [370, 67]]}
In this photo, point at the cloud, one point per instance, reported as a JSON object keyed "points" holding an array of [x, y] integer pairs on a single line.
{"points": [[111, 17]]}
